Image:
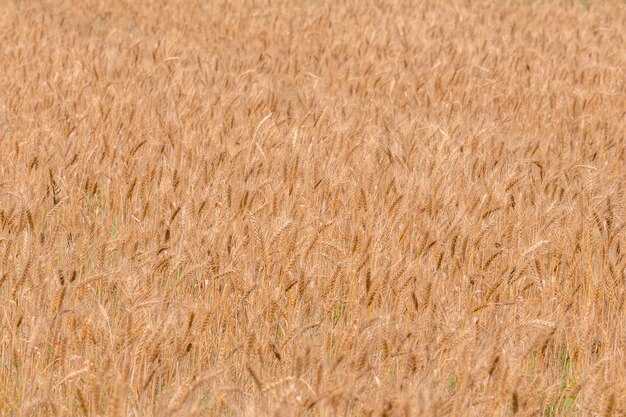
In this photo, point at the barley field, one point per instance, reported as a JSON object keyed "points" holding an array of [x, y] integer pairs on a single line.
{"points": [[312, 208]]}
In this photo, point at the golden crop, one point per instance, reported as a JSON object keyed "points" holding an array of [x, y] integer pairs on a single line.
{"points": [[312, 208]]}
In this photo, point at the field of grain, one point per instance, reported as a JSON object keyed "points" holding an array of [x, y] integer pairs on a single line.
{"points": [[312, 208]]}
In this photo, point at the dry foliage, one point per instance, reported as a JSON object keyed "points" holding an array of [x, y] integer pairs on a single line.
{"points": [[307, 208]]}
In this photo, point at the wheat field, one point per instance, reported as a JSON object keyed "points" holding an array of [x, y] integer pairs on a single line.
{"points": [[312, 208]]}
